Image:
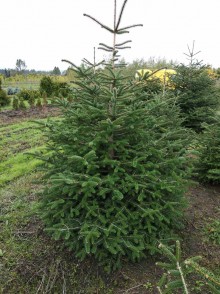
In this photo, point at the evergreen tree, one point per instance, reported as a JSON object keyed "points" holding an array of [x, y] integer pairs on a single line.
{"points": [[196, 91], [56, 71], [15, 103], [117, 166], [178, 270], [208, 168], [22, 105], [31, 99], [4, 100], [47, 86], [39, 103]]}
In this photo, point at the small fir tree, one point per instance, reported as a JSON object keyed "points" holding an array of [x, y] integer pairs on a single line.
{"points": [[44, 96], [47, 85], [208, 167], [15, 103], [39, 103], [22, 105], [4, 100], [117, 168], [196, 93], [31, 100]]}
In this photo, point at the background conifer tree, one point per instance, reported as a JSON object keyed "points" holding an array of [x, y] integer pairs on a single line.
{"points": [[4, 100], [117, 166], [208, 167], [196, 91]]}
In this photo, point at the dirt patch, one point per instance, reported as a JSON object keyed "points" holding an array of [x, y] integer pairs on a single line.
{"points": [[204, 206], [14, 116]]}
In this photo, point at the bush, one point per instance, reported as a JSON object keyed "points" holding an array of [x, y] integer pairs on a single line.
{"points": [[15, 103], [46, 85], [61, 89], [117, 170], [13, 91], [22, 105], [208, 167], [4, 100], [28, 95]]}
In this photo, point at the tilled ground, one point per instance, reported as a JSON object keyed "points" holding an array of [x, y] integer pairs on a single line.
{"points": [[13, 116]]}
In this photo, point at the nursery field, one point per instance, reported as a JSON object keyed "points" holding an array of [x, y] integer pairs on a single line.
{"points": [[30, 262], [22, 85]]}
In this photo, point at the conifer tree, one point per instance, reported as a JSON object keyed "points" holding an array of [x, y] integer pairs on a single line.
{"points": [[22, 105], [178, 271], [15, 103], [208, 167], [196, 92], [117, 166], [4, 100]]}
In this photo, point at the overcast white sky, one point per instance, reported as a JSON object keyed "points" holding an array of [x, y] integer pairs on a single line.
{"points": [[42, 32]]}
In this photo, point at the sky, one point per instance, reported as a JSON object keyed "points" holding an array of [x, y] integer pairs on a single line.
{"points": [[43, 32]]}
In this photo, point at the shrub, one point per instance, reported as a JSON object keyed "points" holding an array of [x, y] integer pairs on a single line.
{"points": [[47, 86], [212, 231], [15, 103], [13, 91], [28, 95], [4, 100], [61, 89], [208, 167], [39, 103], [22, 105]]}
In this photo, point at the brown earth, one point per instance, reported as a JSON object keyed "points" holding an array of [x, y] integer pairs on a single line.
{"points": [[14, 116]]}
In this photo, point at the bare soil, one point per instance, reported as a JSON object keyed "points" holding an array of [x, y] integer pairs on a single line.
{"points": [[14, 116]]}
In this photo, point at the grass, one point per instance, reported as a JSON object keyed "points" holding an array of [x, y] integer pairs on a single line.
{"points": [[16, 143]]}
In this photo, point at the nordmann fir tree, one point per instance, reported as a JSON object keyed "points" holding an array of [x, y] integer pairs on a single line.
{"points": [[117, 165], [196, 91], [208, 166]]}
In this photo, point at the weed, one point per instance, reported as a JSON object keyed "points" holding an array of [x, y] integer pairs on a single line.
{"points": [[212, 231]]}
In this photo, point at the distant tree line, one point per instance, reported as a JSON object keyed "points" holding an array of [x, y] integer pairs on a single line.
{"points": [[21, 68], [130, 68]]}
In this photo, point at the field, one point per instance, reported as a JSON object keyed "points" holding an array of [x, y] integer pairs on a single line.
{"points": [[30, 262]]}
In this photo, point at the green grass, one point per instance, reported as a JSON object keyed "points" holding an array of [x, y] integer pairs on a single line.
{"points": [[17, 141]]}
